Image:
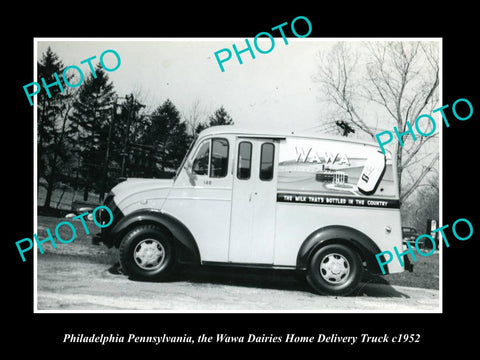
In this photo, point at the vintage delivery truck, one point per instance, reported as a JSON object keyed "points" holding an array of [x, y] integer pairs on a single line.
{"points": [[322, 205]]}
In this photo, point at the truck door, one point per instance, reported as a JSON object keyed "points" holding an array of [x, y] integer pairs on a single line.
{"points": [[252, 226]]}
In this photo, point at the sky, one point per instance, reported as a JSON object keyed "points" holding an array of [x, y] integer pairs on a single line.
{"points": [[272, 90]]}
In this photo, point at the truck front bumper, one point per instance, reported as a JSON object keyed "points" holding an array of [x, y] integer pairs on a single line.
{"points": [[103, 217]]}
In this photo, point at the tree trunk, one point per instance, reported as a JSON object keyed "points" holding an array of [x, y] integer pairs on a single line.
{"points": [[48, 197], [399, 171], [85, 193], [61, 197]]}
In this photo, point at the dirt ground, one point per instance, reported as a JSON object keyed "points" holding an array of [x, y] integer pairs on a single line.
{"points": [[80, 276]]}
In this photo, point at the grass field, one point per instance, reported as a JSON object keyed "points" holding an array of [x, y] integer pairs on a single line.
{"points": [[81, 246], [425, 274]]}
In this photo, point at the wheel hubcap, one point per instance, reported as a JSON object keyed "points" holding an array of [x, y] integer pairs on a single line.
{"points": [[149, 254], [334, 268]]}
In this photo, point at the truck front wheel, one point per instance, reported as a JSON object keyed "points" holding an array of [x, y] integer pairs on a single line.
{"points": [[147, 253], [334, 269]]}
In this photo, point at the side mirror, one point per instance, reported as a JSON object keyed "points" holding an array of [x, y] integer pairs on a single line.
{"points": [[191, 175], [372, 173]]}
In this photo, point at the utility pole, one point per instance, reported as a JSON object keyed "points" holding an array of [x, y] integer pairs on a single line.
{"points": [[107, 152], [124, 153]]}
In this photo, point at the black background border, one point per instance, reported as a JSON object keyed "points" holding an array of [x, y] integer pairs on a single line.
{"points": [[43, 333]]}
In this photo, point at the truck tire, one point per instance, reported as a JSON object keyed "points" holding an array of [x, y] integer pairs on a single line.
{"points": [[147, 253], [334, 269]]}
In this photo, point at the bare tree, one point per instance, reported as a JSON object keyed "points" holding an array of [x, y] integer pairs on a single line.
{"points": [[194, 117], [423, 205], [400, 79]]}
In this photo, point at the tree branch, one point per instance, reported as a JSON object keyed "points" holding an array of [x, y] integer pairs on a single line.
{"points": [[406, 193]]}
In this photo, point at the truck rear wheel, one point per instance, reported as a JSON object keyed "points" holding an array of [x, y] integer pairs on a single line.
{"points": [[147, 253], [334, 269]]}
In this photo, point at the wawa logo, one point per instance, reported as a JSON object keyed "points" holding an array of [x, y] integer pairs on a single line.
{"points": [[367, 171], [311, 156]]}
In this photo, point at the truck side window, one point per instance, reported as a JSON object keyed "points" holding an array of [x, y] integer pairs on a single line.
{"points": [[266, 161], [244, 160], [200, 164], [219, 162]]}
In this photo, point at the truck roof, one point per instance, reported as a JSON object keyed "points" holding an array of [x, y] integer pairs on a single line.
{"points": [[272, 133]]}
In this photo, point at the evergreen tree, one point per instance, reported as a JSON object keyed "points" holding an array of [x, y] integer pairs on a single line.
{"points": [[53, 152], [91, 118], [200, 127], [219, 117], [48, 108], [168, 136], [130, 127]]}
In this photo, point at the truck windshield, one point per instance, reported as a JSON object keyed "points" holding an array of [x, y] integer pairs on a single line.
{"points": [[185, 157]]}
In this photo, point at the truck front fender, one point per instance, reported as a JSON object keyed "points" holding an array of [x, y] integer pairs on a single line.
{"points": [[185, 242]]}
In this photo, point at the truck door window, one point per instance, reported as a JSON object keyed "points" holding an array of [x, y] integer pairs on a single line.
{"points": [[244, 160], [266, 161], [200, 164], [219, 163]]}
